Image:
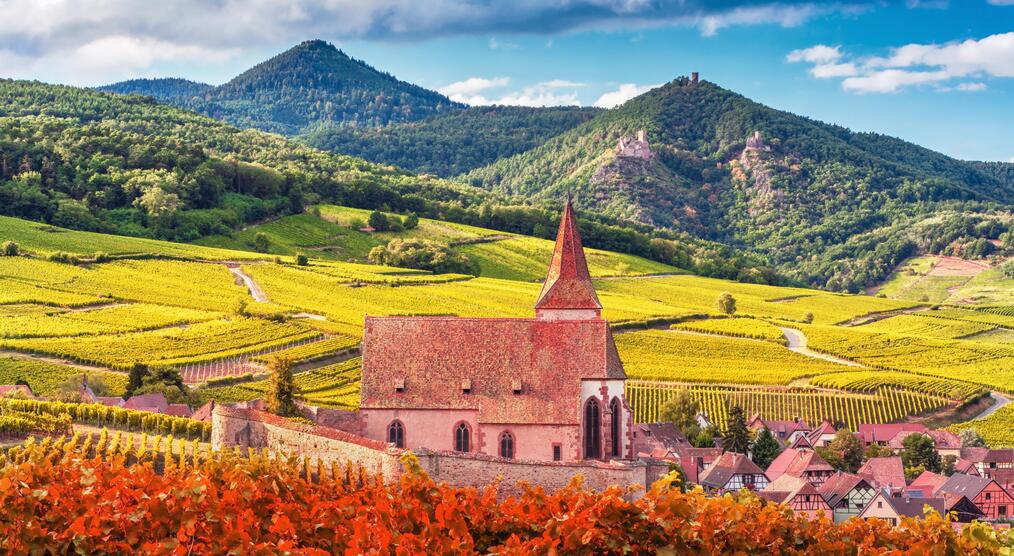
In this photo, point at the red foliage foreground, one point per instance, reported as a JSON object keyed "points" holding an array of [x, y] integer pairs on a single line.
{"points": [[56, 502]]}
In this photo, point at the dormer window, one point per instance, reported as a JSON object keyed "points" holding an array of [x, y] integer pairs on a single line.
{"points": [[466, 386], [516, 387], [399, 385]]}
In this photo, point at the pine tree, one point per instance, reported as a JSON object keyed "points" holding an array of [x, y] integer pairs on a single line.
{"points": [[737, 437], [282, 389], [765, 448], [136, 377]]}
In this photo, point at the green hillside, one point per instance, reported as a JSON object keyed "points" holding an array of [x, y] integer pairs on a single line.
{"points": [[455, 142], [164, 89], [834, 208]]}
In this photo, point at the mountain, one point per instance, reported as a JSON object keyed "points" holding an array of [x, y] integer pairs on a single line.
{"points": [[97, 161], [831, 207], [453, 142], [163, 89], [312, 84]]}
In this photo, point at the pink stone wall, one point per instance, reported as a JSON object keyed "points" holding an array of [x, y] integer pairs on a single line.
{"points": [[430, 428], [534, 442]]}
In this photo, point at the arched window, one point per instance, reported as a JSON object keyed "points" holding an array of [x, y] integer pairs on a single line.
{"points": [[615, 416], [396, 434], [507, 445], [462, 438], [592, 430]]}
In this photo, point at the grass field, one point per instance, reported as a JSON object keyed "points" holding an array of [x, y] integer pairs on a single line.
{"points": [[935, 279]]}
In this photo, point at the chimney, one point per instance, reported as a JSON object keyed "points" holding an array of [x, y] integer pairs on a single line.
{"points": [[693, 77], [642, 136]]}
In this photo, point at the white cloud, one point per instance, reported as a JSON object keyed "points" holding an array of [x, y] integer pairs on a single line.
{"points": [[781, 14], [495, 44], [94, 62], [1001, 2], [912, 65], [817, 54], [480, 91], [473, 85], [624, 93]]}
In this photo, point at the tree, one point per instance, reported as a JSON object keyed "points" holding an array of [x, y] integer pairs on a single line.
{"points": [[70, 389], [378, 221], [970, 438], [737, 437], [411, 221], [912, 472], [844, 453], [421, 254], [765, 448], [301, 260], [919, 450], [727, 303], [704, 439], [10, 249], [261, 242], [682, 411], [947, 464], [135, 377], [877, 451], [282, 389]]}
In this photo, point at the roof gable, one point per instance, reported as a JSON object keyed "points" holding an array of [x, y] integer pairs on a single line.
{"points": [[884, 472], [965, 485]]}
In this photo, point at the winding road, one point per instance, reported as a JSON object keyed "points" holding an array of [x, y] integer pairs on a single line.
{"points": [[255, 291], [797, 343], [1001, 401]]}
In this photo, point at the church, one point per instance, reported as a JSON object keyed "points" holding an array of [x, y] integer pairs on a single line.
{"points": [[548, 388]]}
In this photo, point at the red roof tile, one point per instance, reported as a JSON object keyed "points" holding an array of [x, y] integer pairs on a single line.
{"points": [[885, 432], [884, 472], [787, 487], [178, 410], [795, 463], [838, 486], [928, 483], [433, 355], [728, 465], [154, 402], [941, 439], [568, 284]]}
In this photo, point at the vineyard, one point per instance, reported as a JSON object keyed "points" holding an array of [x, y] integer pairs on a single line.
{"points": [[884, 405], [14, 423], [104, 415], [927, 326], [736, 327], [871, 381], [679, 357], [997, 429], [202, 342], [114, 319], [205, 503], [313, 350], [334, 386], [45, 378]]}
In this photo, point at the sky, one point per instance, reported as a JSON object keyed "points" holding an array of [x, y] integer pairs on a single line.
{"points": [[938, 73]]}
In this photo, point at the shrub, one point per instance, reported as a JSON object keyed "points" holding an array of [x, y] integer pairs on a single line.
{"points": [[261, 242], [421, 254], [378, 221], [411, 221], [727, 303], [301, 260], [10, 249]]}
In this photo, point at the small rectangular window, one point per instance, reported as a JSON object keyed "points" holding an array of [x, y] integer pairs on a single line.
{"points": [[988, 496], [399, 385], [466, 386], [557, 452], [516, 386]]}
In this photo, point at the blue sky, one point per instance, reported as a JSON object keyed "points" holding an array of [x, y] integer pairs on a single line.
{"points": [[940, 74]]}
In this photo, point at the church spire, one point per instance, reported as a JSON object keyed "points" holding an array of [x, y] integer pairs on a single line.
{"points": [[568, 292]]}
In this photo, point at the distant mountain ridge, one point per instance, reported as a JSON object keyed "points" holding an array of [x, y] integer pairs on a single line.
{"points": [[829, 206], [163, 89], [311, 84]]}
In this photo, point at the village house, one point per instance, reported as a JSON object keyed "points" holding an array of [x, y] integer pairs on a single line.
{"points": [[985, 493], [822, 436], [946, 443], [892, 508], [961, 508], [882, 433], [847, 495], [732, 472], [798, 494], [547, 388], [884, 473], [658, 440], [804, 464], [694, 461], [926, 484], [785, 432], [987, 459]]}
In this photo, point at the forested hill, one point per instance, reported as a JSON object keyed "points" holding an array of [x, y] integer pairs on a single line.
{"points": [[830, 207], [311, 84], [454, 142], [97, 161], [164, 89]]}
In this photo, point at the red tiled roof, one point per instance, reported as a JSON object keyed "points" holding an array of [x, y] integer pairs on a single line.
{"points": [[728, 465], [941, 439], [204, 412], [885, 432], [884, 472], [825, 427], [432, 356], [178, 410], [796, 462], [787, 487], [11, 389], [965, 485], [688, 460], [154, 402], [912, 507], [927, 483], [112, 401], [660, 434], [838, 486], [965, 466], [568, 284], [987, 455]]}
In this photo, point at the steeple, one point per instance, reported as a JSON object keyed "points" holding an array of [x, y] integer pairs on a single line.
{"points": [[568, 293]]}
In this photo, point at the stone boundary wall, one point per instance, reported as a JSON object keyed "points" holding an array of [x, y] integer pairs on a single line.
{"points": [[250, 428]]}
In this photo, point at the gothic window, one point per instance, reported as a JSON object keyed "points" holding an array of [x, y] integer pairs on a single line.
{"points": [[396, 434], [592, 430], [462, 438], [507, 445], [614, 427]]}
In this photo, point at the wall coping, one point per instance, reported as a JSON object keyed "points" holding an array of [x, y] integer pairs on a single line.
{"points": [[325, 432], [611, 465]]}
